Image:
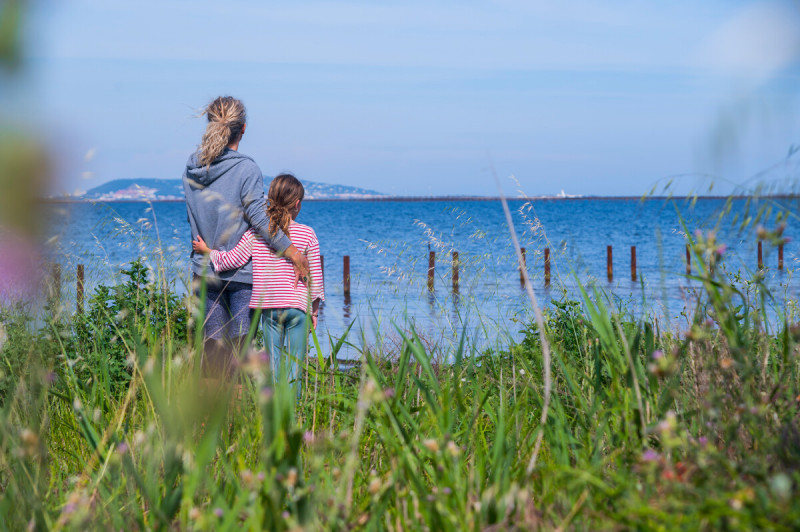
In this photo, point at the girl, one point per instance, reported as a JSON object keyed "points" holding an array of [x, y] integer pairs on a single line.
{"points": [[284, 301]]}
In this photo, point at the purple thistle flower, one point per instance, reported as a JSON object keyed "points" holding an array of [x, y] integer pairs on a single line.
{"points": [[657, 354], [218, 512]]}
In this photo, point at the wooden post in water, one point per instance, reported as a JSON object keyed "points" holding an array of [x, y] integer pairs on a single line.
{"points": [[346, 273], [547, 266], [431, 265], [780, 256], [609, 264], [522, 267], [760, 256], [633, 263], [688, 261], [455, 271], [79, 288], [55, 290]]}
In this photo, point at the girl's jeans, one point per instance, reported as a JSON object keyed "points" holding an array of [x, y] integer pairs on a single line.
{"points": [[286, 338]]}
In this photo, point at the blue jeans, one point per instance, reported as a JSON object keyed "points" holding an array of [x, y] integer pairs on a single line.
{"points": [[227, 309], [286, 338], [225, 325]]}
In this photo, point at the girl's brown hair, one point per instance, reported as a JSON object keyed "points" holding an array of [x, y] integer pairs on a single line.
{"points": [[284, 191], [226, 120]]}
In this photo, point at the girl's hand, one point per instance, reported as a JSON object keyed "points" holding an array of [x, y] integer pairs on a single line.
{"points": [[199, 246]]}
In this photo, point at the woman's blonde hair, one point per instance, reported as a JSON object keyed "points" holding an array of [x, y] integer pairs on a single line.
{"points": [[226, 120], [284, 191]]}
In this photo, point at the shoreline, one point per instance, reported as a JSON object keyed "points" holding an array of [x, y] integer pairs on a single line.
{"points": [[450, 198]]}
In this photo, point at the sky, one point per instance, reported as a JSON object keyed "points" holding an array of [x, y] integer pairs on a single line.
{"points": [[604, 97]]}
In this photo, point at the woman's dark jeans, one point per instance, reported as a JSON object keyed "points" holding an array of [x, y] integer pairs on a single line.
{"points": [[226, 323]]}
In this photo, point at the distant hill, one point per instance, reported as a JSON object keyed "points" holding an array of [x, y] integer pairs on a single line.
{"points": [[150, 189]]}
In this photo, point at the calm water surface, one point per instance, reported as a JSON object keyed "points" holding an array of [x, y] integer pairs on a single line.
{"points": [[388, 243]]}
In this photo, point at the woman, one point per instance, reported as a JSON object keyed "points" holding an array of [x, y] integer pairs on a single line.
{"points": [[224, 197]]}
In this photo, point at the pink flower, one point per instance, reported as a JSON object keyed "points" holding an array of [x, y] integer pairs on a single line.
{"points": [[650, 456]]}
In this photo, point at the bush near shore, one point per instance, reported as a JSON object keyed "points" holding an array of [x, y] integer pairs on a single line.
{"points": [[107, 422]]}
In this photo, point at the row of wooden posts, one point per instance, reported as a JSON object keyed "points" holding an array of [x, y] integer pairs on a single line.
{"points": [[609, 266], [455, 277]]}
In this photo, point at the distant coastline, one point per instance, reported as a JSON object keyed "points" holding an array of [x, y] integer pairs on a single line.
{"points": [[443, 198]]}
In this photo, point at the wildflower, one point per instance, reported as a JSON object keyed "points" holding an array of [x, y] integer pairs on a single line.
{"points": [[650, 456], [218, 512], [657, 354], [308, 437], [261, 476], [431, 444], [453, 449], [447, 491], [781, 486], [702, 441], [668, 423], [721, 249], [522, 372], [122, 448], [291, 478], [374, 485], [194, 513], [29, 437], [266, 393]]}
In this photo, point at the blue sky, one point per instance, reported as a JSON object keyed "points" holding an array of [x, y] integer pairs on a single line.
{"points": [[423, 98]]}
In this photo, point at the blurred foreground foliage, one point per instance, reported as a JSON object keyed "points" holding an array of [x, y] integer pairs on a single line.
{"points": [[107, 422]]}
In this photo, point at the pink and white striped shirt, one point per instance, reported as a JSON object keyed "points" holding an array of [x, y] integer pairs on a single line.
{"points": [[273, 277]]}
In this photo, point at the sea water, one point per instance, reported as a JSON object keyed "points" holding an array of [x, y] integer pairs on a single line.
{"points": [[389, 245]]}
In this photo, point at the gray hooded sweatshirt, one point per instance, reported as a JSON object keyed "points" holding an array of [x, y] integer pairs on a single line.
{"points": [[222, 202]]}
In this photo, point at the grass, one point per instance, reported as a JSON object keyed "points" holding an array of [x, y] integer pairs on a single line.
{"points": [[107, 422]]}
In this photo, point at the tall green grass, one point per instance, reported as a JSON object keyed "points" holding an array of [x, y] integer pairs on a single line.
{"points": [[107, 422]]}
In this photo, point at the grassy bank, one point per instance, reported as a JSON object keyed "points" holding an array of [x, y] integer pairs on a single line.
{"points": [[107, 422]]}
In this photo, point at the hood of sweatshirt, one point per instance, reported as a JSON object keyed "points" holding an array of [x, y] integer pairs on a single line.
{"points": [[204, 176]]}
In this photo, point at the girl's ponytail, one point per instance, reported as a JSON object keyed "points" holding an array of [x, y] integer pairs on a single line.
{"points": [[284, 191], [226, 119]]}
